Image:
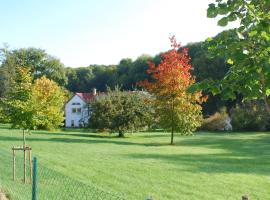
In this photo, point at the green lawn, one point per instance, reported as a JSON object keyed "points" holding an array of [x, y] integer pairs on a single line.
{"points": [[208, 166]]}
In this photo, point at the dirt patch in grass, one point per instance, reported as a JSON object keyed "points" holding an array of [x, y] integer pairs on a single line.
{"points": [[3, 196]]}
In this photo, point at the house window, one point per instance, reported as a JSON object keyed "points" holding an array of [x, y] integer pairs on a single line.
{"points": [[72, 123], [75, 103], [76, 110]]}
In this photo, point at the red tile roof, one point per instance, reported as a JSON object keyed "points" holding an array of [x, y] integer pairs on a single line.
{"points": [[87, 97]]}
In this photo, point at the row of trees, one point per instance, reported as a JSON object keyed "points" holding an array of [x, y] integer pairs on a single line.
{"points": [[126, 74], [32, 98], [168, 103]]}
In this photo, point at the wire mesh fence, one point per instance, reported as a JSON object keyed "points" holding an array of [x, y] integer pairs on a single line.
{"points": [[13, 189], [51, 185]]}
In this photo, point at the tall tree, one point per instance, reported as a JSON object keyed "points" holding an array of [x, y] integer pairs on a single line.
{"points": [[17, 105], [246, 49], [7, 71], [138, 70], [37, 60], [206, 67], [79, 79], [104, 76], [178, 110], [123, 71], [48, 100]]}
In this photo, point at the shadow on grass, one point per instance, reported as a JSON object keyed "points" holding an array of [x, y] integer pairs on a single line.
{"points": [[248, 156], [161, 135], [93, 134], [68, 140], [213, 163], [257, 144], [79, 130], [242, 153], [85, 135], [84, 138]]}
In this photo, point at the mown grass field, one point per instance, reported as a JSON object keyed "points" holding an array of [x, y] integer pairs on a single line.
{"points": [[209, 166]]}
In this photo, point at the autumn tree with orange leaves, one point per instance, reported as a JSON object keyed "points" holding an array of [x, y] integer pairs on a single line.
{"points": [[177, 110]]}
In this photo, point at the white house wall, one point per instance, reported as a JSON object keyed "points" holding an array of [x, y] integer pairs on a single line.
{"points": [[79, 118]]}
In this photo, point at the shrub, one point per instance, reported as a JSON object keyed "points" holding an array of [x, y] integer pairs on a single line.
{"points": [[250, 116], [216, 122]]}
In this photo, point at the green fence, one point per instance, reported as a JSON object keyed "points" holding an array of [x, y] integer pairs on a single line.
{"points": [[51, 185]]}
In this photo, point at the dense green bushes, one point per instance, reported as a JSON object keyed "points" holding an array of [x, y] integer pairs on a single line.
{"points": [[250, 116], [247, 116]]}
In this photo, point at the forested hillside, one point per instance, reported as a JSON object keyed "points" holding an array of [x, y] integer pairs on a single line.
{"points": [[126, 74]]}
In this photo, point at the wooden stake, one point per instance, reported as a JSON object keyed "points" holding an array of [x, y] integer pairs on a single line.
{"points": [[30, 164], [14, 163], [23, 138], [24, 166], [24, 159]]}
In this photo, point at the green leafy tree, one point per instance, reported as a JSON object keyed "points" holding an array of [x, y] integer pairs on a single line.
{"points": [[245, 48], [3, 118], [36, 60], [17, 105], [104, 76], [214, 68], [83, 79], [122, 72], [28, 106], [121, 112], [48, 100], [79, 79], [7, 71]]}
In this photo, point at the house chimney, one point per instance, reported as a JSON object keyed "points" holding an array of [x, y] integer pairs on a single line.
{"points": [[94, 91]]}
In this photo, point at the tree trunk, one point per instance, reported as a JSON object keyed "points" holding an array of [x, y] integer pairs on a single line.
{"points": [[172, 118], [24, 158], [24, 144], [120, 134], [267, 108], [172, 134], [265, 100]]}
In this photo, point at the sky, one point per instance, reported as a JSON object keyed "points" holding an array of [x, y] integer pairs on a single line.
{"points": [[84, 32]]}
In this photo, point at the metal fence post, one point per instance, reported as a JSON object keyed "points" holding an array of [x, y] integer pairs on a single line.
{"points": [[244, 197], [34, 181]]}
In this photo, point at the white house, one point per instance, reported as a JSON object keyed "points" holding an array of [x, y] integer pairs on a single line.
{"points": [[77, 110]]}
